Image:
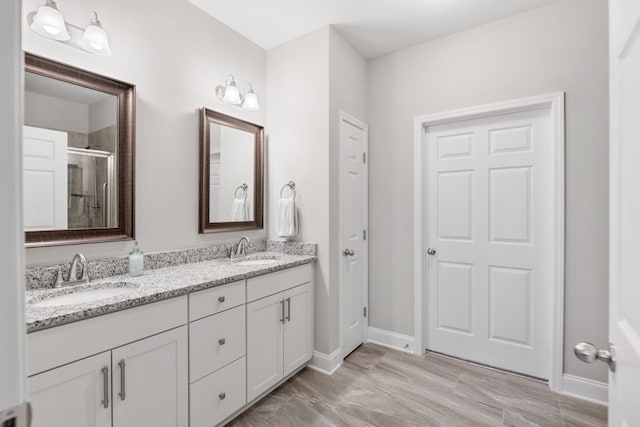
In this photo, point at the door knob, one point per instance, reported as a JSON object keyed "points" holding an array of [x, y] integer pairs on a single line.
{"points": [[431, 251], [589, 353], [349, 252]]}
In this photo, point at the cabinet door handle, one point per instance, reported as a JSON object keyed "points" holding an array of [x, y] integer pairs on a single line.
{"points": [[222, 341], [282, 311], [105, 389], [222, 396], [122, 394], [289, 309], [221, 299]]}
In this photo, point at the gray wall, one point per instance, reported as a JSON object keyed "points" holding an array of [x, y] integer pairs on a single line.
{"points": [[175, 70], [561, 47]]}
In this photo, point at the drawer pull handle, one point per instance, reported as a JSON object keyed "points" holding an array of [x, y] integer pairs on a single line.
{"points": [[221, 299], [222, 341], [222, 396], [105, 379]]}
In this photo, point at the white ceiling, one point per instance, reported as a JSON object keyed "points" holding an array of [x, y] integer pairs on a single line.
{"points": [[373, 27]]}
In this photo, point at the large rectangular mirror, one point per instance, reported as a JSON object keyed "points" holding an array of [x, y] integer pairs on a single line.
{"points": [[78, 147], [231, 173]]}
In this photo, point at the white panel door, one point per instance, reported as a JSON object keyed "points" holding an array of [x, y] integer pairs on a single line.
{"points": [[44, 154], [150, 381], [624, 297], [490, 210], [265, 326], [74, 395], [352, 229], [298, 327]]}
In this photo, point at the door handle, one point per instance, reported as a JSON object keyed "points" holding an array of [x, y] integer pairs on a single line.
{"points": [[431, 251], [222, 341], [589, 353], [121, 364], [282, 310], [349, 252], [289, 309], [105, 389]]}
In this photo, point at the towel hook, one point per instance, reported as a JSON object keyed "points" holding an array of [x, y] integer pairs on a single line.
{"points": [[243, 187], [292, 186]]}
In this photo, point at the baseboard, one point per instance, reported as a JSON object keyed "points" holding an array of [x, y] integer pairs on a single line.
{"points": [[326, 363], [392, 340], [584, 388]]}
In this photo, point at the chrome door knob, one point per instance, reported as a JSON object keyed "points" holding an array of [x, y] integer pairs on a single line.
{"points": [[349, 252], [431, 251], [589, 353]]}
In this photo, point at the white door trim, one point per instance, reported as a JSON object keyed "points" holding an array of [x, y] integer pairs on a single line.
{"points": [[555, 103], [365, 174]]}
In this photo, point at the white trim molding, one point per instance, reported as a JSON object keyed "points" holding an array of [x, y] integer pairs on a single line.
{"points": [[554, 102], [584, 388], [392, 340], [326, 363]]}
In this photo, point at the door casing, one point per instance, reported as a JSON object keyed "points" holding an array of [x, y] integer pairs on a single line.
{"points": [[554, 102]]}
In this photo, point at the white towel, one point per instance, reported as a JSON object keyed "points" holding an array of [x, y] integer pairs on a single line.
{"points": [[287, 218], [239, 210]]}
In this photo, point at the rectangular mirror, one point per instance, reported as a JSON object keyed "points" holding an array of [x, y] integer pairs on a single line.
{"points": [[78, 145], [231, 173]]}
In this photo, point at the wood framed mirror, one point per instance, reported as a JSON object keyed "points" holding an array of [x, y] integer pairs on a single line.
{"points": [[231, 173], [78, 155]]}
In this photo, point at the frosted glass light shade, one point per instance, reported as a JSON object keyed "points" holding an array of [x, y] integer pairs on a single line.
{"points": [[251, 101], [95, 39], [232, 94], [49, 22]]}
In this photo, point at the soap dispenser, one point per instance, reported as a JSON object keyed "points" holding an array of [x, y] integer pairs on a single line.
{"points": [[136, 261]]}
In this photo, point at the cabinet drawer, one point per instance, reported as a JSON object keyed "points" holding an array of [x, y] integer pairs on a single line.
{"points": [[214, 300], [215, 341], [269, 284], [219, 395]]}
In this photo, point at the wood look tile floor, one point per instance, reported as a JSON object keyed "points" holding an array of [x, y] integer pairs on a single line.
{"points": [[377, 386]]}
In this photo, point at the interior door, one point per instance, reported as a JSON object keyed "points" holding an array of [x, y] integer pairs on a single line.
{"points": [[490, 266], [150, 381], [353, 233], [624, 299], [45, 179], [298, 327], [74, 395]]}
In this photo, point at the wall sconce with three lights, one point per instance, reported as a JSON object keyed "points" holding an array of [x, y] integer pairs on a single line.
{"points": [[230, 94], [49, 22]]}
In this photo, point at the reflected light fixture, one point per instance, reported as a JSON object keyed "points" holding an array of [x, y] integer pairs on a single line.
{"points": [[94, 38], [230, 94], [49, 22]]}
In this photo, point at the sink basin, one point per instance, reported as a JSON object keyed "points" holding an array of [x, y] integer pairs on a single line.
{"points": [[89, 295], [258, 262]]}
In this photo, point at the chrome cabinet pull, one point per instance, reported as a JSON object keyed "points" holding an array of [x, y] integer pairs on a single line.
{"points": [[289, 309], [282, 311], [122, 394], [222, 341], [221, 299], [222, 396], [105, 389]]}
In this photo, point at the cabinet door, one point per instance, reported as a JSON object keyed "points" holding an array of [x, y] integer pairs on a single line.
{"points": [[150, 381], [298, 327], [264, 344], [73, 395]]}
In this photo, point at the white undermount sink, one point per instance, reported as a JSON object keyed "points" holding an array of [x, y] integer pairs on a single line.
{"points": [[87, 295], [258, 262]]}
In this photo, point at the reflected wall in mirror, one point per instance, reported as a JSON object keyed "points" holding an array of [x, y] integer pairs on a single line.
{"points": [[78, 142], [231, 173]]}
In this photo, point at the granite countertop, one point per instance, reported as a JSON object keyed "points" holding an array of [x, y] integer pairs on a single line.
{"points": [[154, 285]]}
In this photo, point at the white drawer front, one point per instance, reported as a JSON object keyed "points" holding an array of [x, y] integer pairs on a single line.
{"points": [[269, 284], [214, 300], [219, 395], [216, 341]]}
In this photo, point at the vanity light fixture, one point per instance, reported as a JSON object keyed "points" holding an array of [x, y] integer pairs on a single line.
{"points": [[230, 94], [49, 22]]}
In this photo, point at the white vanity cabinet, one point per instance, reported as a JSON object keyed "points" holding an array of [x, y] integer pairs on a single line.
{"points": [[279, 327]]}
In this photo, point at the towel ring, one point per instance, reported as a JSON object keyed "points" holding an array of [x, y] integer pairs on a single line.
{"points": [[292, 186], [243, 187]]}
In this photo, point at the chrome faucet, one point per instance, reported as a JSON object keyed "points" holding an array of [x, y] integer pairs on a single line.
{"points": [[73, 273], [241, 249]]}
